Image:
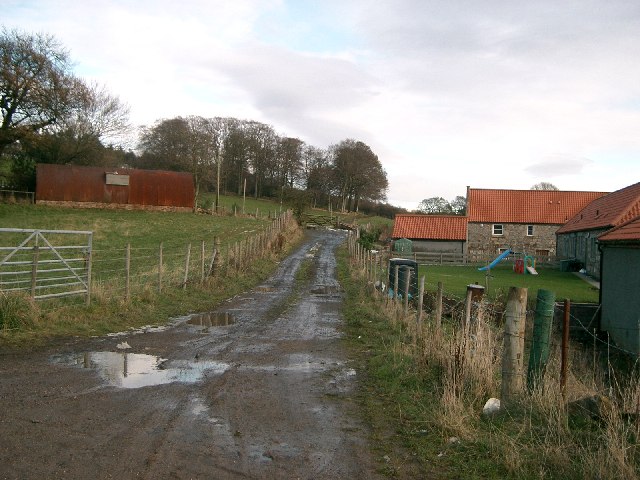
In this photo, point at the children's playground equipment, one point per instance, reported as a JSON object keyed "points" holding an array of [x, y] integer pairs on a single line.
{"points": [[530, 265], [526, 264], [404, 267], [498, 259]]}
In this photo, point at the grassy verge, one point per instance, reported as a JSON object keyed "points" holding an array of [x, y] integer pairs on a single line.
{"points": [[423, 390]]}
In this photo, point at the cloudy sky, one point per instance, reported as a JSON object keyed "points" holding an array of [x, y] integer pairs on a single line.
{"points": [[491, 94]]}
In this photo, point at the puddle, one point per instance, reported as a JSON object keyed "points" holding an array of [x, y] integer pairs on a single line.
{"points": [[135, 370], [212, 319], [326, 290]]}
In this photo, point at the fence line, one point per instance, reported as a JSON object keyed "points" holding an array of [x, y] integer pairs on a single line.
{"points": [[129, 271], [374, 268], [457, 258]]}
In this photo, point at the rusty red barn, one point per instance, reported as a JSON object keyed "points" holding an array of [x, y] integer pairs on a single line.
{"points": [[123, 187]]}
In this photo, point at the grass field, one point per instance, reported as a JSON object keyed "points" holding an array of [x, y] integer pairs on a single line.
{"points": [[24, 322], [140, 228], [456, 278]]}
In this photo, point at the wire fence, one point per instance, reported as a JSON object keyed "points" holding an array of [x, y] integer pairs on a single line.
{"points": [[465, 313], [123, 272]]}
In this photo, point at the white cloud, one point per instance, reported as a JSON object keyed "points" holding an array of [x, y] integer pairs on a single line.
{"points": [[448, 94]]}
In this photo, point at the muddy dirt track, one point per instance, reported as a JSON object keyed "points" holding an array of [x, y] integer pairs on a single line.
{"points": [[260, 388]]}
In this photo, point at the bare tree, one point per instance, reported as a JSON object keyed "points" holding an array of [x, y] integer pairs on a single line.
{"points": [[459, 205], [544, 186], [98, 113], [36, 85], [435, 206]]}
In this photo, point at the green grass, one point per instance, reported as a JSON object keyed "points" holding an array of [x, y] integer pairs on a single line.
{"points": [[399, 397], [140, 228], [402, 386], [456, 278], [144, 230]]}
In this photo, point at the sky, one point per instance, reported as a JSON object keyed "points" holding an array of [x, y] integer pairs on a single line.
{"points": [[447, 93]]}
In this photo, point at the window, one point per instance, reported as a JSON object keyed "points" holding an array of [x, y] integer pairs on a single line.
{"points": [[115, 179], [497, 229], [529, 230]]}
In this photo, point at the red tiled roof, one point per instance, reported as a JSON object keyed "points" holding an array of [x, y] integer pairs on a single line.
{"points": [[610, 210], [553, 207], [629, 231], [430, 227]]}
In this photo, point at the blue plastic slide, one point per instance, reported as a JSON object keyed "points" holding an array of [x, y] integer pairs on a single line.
{"points": [[498, 259]]}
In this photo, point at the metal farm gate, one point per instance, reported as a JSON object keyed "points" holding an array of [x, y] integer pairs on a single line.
{"points": [[45, 263]]}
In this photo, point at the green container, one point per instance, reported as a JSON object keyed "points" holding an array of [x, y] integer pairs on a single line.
{"points": [[403, 245]]}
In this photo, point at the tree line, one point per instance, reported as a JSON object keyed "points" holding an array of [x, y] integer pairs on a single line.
{"points": [[49, 115]]}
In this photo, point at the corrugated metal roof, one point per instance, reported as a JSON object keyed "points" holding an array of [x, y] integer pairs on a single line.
{"points": [[430, 227], [629, 231], [608, 211], [552, 207]]}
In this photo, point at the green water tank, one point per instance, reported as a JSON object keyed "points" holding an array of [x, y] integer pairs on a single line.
{"points": [[403, 245]]}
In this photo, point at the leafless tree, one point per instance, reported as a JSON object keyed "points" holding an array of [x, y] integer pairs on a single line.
{"points": [[36, 85], [544, 186]]}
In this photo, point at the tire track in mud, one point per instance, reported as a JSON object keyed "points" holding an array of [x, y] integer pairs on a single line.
{"points": [[270, 399]]}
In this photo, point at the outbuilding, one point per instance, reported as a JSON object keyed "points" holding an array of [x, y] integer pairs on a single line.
{"points": [[577, 237], [431, 233], [98, 187], [620, 284]]}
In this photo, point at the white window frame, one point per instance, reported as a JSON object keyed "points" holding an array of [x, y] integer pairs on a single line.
{"points": [[530, 228], [493, 229]]}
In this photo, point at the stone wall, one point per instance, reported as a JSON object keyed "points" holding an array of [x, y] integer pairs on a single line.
{"points": [[113, 206], [481, 240]]}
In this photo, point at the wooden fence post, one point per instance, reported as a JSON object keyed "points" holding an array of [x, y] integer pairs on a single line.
{"points": [[420, 301], [34, 270], [513, 354], [127, 268], [202, 262], [88, 261], [439, 307], [467, 309], [564, 359], [186, 268], [160, 261], [396, 276], [217, 259]]}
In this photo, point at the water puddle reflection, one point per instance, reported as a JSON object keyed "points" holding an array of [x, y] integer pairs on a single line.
{"points": [[212, 319], [134, 370]]}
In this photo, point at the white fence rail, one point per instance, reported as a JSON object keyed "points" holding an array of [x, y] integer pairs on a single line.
{"points": [[46, 263]]}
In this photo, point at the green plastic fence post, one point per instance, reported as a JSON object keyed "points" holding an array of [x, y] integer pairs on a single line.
{"points": [[543, 320]]}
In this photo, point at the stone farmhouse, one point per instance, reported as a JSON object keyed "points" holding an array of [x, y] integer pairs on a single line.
{"points": [[577, 237], [521, 220]]}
